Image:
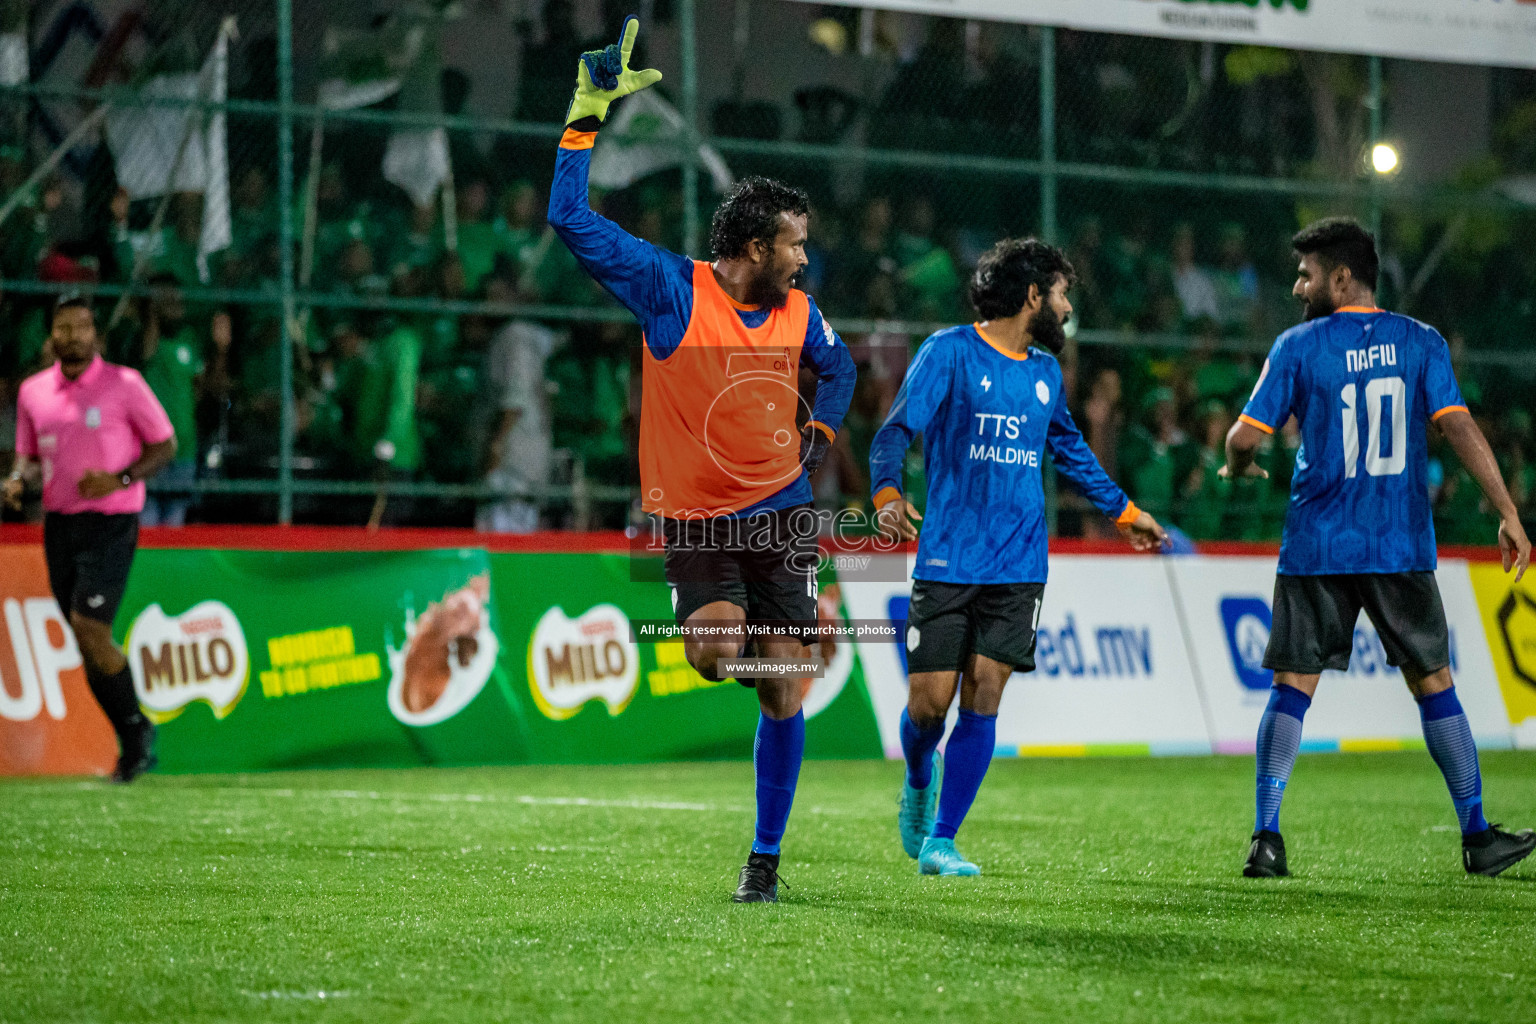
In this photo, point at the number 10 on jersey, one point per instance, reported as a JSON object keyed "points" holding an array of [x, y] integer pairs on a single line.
{"points": [[1377, 392]]}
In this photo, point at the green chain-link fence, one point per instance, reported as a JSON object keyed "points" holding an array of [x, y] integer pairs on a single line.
{"points": [[383, 170]]}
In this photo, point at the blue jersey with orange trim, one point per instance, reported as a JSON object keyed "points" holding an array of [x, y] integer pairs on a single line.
{"points": [[1362, 383], [988, 416], [657, 286]]}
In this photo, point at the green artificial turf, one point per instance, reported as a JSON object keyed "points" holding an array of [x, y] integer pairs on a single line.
{"points": [[1110, 892]]}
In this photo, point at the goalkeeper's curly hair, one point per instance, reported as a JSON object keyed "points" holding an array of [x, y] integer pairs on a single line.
{"points": [[750, 212], [1000, 286]]}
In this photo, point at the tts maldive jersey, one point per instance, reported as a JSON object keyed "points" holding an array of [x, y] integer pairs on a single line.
{"points": [[987, 416], [1362, 383]]}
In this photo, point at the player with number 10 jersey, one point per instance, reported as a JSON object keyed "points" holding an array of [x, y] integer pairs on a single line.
{"points": [[1360, 383], [1359, 535]]}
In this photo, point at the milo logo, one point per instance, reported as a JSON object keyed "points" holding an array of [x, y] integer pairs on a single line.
{"points": [[197, 655], [572, 661]]}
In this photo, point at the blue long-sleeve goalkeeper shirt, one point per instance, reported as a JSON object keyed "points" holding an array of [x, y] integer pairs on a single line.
{"points": [[657, 287], [987, 416]]}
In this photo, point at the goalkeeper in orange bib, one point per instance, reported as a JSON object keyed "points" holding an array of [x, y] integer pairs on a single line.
{"points": [[723, 464]]}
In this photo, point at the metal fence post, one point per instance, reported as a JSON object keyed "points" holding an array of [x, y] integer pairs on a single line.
{"points": [[1374, 102], [1048, 134], [285, 243], [687, 13], [1048, 229]]}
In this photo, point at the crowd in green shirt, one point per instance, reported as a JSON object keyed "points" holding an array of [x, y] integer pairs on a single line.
{"points": [[401, 394]]}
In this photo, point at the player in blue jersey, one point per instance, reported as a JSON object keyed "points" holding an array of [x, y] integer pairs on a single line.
{"points": [[1364, 384], [988, 400]]}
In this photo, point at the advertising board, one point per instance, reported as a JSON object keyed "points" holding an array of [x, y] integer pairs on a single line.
{"points": [[1225, 607]]}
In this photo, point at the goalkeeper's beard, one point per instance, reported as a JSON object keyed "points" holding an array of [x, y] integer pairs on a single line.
{"points": [[770, 289], [1048, 329]]}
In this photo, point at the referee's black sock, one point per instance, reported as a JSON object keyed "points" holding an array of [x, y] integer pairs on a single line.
{"points": [[117, 698]]}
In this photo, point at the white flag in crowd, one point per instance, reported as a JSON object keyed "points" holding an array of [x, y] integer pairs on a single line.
{"points": [[164, 148], [416, 159], [367, 67], [644, 137], [13, 58], [217, 230]]}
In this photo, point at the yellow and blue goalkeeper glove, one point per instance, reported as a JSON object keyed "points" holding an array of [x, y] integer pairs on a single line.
{"points": [[603, 76]]}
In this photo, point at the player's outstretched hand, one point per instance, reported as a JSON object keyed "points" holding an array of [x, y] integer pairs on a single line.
{"points": [[603, 76], [1145, 534], [12, 489], [1254, 470], [897, 520], [1514, 546]]}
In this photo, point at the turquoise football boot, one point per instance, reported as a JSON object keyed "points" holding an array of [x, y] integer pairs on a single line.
{"points": [[917, 809], [939, 857]]}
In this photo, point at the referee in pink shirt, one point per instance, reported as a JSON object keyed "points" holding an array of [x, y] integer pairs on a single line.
{"points": [[97, 432]]}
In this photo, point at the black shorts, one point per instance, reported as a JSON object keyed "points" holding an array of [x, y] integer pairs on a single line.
{"points": [[764, 564], [1314, 621], [948, 622], [89, 555]]}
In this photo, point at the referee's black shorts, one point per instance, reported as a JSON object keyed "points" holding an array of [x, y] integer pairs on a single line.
{"points": [[1314, 621], [89, 555]]}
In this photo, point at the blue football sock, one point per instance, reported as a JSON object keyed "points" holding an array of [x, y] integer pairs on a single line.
{"points": [[965, 764], [1449, 739], [776, 760], [1278, 743], [919, 746]]}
